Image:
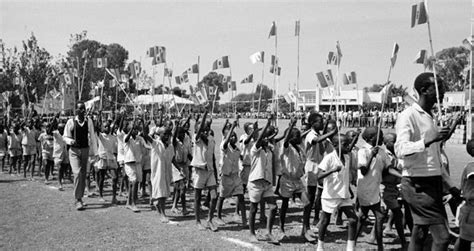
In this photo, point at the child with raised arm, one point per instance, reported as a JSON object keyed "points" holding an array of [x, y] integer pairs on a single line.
{"points": [[60, 157], [260, 183], [47, 144], [334, 171], [180, 171], [230, 183], [291, 171], [133, 169], [204, 176], [316, 146], [372, 162], [162, 153]]}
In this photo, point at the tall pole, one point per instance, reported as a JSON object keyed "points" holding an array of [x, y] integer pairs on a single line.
{"points": [[298, 71], [153, 93], [383, 102], [438, 104], [471, 43], [275, 72]]}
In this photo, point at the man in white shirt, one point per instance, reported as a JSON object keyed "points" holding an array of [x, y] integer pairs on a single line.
{"points": [[80, 137], [418, 150]]}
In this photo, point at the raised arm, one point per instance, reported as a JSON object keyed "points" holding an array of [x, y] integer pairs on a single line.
{"points": [[201, 126], [129, 134], [258, 144], [227, 138], [287, 135]]}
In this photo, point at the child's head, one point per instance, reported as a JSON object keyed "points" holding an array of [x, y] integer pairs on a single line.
{"points": [[470, 147], [181, 133], [106, 128], [315, 120], [389, 141], [168, 124], [344, 141], [295, 136], [233, 138], [164, 133], [351, 134], [332, 125], [305, 127], [370, 136], [248, 128]]}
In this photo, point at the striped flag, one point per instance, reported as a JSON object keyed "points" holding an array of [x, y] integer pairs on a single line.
{"points": [[182, 79], [168, 72], [277, 72], [99, 62], [134, 68], [273, 30], [352, 77], [332, 58], [420, 57], [275, 60], [226, 79], [221, 63], [233, 86], [325, 78], [193, 69], [297, 28], [345, 79], [248, 79], [393, 59], [339, 52], [418, 14], [257, 57]]}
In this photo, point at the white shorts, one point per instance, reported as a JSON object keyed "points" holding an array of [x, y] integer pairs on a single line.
{"points": [[330, 205], [260, 189], [203, 178], [134, 171]]}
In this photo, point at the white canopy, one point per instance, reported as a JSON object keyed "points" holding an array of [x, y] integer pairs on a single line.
{"points": [[158, 99]]}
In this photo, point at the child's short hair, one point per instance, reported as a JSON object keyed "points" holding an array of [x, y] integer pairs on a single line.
{"points": [[369, 132], [246, 127], [313, 117], [470, 147]]}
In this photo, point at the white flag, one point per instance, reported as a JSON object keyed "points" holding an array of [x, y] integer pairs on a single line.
{"points": [[257, 57]]}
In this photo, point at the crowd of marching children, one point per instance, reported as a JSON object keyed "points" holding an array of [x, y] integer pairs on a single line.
{"points": [[329, 171]]}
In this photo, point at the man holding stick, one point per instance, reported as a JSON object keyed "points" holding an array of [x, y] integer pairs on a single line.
{"points": [[80, 138], [418, 148]]}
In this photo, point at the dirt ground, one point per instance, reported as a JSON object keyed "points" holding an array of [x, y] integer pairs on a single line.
{"points": [[35, 215]]}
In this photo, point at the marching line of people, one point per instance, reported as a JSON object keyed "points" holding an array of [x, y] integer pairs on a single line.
{"points": [[331, 173]]}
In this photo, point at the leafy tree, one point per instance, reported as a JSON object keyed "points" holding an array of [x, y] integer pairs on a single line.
{"points": [[451, 64]]}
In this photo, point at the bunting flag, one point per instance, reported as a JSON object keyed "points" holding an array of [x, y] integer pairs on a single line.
{"points": [[135, 69], [66, 78], [112, 83], [420, 57], [233, 86], [272, 70], [226, 79], [193, 69], [99, 62], [182, 79], [352, 77], [297, 28], [168, 72], [418, 14], [158, 53], [17, 80], [257, 57], [384, 93], [221, 63], [325, 78], [332, 58], [248, 79], [292, 96], [273, 30], [345, 79], [124, 78], [275, 60], [393, 59], [114, 73], [200, 97]]}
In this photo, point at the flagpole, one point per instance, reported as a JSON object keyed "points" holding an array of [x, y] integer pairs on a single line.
{"points": [[383, 103], [163, 89], [438, 104], [153, 93], [44, 99], [83, 76], [336, 93], [261, 87], [275, 71], [102, 91], [298, 70]]}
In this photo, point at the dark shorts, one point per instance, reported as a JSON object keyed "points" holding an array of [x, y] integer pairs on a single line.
{"points": [[424, 196], [390, 196], [466, 222]]}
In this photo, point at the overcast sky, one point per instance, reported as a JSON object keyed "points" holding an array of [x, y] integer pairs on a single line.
{"points": [[366, 30]]}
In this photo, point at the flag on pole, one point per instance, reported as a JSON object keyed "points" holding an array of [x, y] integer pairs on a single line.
{"points": [[226, 79], [345, 79], [418, 14], [274, 60], [182, 79], [221, 63], [193, 69], [114, 73], [352, 77], [332, 58], [155, 50], [273, 30], [124, 78], [297, 28], [420, 57], [257, 57], [385, 92], [325, 78], [292, 97], [248, 79], [134, 68], [233, 86], [393, 59], [168, 72], [200, 97], [66, 78], [277, 72], [224, 87], [99, 62]]}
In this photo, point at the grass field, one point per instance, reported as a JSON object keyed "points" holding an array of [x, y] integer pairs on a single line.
{"points": [[34, 215]]}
